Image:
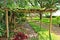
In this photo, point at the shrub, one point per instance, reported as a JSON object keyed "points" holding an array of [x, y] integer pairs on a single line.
{"points": [[2, 29]]}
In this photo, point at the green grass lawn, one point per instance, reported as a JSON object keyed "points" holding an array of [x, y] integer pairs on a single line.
{"points": [[43, 34], [47, 20]]}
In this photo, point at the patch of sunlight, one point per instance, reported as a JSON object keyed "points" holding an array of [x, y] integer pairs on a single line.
{"points": [[55, 37], [43, 34]]}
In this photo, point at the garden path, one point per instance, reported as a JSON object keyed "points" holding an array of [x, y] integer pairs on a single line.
{"points": [[55, 29], [27, 29], [31, 33]]}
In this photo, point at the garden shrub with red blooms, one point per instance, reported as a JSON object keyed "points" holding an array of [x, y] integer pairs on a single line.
{"points": [[20, 36]]}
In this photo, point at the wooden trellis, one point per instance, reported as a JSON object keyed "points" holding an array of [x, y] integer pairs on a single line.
{"points": [[29, 11]]}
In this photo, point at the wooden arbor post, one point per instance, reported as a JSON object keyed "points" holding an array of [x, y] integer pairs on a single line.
{"points": [[7, 24], [14, 21], [50, 26], [40, 19]]}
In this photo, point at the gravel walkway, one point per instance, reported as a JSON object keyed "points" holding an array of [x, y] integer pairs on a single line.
{"points": [[31, 33]]}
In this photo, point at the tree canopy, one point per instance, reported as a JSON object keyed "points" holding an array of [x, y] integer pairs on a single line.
{"points": [[29, 4]]}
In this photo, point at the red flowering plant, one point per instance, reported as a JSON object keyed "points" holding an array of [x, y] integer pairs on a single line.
{"points": [[20, 36]]}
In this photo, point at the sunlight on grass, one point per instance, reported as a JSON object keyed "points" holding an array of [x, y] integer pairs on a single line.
{"points": [[43, 34]]}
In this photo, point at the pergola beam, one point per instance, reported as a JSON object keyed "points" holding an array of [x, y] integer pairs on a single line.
{"points": [[34, 10]]}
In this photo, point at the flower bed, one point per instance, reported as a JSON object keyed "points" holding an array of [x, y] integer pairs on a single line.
{"points": [[20, 36]]}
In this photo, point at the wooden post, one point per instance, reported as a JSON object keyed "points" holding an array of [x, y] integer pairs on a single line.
{"points": [[10, 18], [50, 26], [14, 20], [7, 24], [40, 19], [31, 16]]}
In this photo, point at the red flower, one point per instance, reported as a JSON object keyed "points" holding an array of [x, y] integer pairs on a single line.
{"points": [[20, 36]]}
